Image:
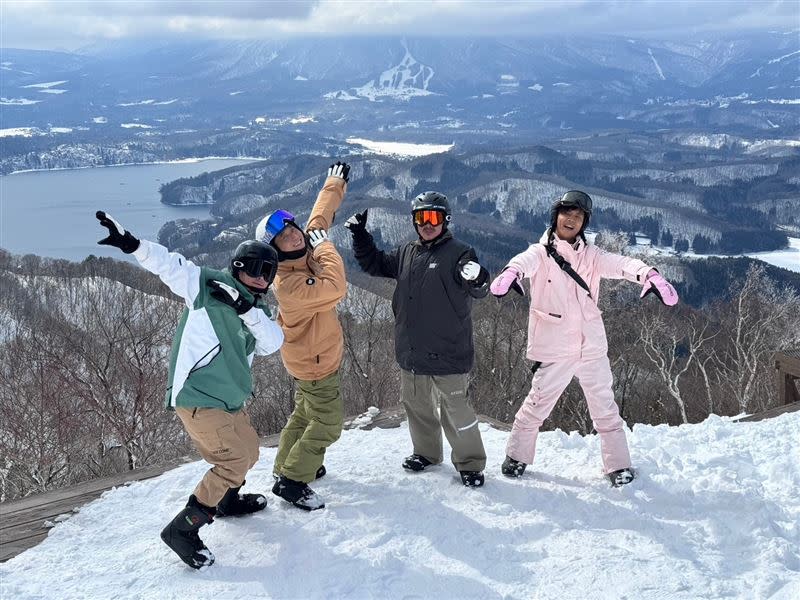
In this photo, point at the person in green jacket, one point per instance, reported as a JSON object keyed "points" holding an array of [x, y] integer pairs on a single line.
{"points": [[225, 323]]}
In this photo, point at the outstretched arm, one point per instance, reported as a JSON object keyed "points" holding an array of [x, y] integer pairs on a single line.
{"points": [[182, 276], [522, 265]]}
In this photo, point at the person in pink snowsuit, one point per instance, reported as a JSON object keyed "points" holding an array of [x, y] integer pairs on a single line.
{"points": [[566, 335]]}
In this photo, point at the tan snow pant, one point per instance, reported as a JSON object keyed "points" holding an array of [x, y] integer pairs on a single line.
{"points": [[422, 395], [227, 441]]}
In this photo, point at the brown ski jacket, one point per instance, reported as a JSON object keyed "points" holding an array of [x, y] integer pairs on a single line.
{"points": [[308, 290]]}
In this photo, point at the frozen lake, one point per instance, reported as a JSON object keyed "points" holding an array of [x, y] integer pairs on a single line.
{"points": [[51, 213]]}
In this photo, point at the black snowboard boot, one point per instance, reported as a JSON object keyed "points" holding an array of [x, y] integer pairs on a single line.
{"points": [[297, 493], [512, 468], [234, 504], [416, 462], [181, 534], [472, 478], [620, 477]]}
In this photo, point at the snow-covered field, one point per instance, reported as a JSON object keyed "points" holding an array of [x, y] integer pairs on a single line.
{"points": [[401, 149], [714, 513], [788, 258]]}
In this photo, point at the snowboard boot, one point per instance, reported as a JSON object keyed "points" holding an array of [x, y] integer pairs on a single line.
{"points": [[472, 478], [181, 534], [297, 493], [416, 462], [512, 468], [318, 475], [234, 504], [620, 477]]}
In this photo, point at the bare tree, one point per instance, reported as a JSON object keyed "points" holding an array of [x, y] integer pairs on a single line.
{"points": [[760, 320], [672, 347]]}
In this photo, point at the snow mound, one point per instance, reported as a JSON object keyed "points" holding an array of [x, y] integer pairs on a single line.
{"points": [[714, 512]]}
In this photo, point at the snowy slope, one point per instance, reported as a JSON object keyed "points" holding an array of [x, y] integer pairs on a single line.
{"points": [[715, 512]]}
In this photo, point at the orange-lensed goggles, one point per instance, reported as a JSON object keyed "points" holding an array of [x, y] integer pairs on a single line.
{"points": [[434, 217]]}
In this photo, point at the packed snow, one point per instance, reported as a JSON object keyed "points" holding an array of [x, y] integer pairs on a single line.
{"points": [[714, 512], [401, 149]]}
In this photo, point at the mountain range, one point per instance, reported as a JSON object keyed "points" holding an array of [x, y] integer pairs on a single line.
{"points": [[416, 88]]}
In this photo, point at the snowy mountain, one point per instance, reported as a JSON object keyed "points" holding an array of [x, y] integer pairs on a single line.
{"points": [[362, 85], [713, 513]]}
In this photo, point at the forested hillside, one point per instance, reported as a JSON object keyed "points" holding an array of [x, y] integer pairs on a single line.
{"points": [[729, 202]]}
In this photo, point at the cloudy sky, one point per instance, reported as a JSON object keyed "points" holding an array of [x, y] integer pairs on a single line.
{"points": [[68, 25]]}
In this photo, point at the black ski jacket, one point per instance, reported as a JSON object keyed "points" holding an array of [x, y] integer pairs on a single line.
{"points": [[432, 303]]}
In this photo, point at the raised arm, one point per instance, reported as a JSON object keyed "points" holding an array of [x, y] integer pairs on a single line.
{"points": [[330, 197], [371, 260], [182, 276]]}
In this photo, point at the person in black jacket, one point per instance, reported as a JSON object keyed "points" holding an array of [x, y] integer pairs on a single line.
{"points": [[437, 278]]}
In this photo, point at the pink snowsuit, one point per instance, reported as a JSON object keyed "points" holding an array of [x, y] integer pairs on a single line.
{"points": [[566, 334]]}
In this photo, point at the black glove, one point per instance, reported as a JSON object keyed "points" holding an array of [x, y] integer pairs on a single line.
{"points": [[340, 170], [117, 236], [357, 224], [230, 296]]}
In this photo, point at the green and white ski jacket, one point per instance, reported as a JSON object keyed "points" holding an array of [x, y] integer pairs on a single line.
{"points": [[213, 347]]}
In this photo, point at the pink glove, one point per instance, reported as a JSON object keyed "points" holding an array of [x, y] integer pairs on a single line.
{"points": [[662, 288], [508, 279]]}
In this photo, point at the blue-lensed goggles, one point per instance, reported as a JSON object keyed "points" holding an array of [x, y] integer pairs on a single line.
{"points": [[277, 222]]}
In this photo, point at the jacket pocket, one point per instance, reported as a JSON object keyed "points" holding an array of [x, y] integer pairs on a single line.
{"points": [[206, 359], [549, 317]]}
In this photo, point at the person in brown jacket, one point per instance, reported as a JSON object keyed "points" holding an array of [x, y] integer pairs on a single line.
{"points": [[309, 284]]}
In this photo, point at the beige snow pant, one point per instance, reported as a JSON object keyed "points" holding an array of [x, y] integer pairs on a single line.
{"points": [[422, 395], [227, 441]]}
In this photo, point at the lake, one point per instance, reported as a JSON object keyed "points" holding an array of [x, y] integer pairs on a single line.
{"points": [[51, 213]]}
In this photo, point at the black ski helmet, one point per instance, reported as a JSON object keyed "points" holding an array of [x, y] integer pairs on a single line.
{"points": [[572, 199], [256, 259], [431, 201]]}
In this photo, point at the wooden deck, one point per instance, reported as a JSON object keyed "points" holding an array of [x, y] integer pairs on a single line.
{"points": [[772, 412]]}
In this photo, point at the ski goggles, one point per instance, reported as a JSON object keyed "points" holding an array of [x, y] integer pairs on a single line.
{"points": [[576, 199], [276, 223], [434, 217], [255, 267]]}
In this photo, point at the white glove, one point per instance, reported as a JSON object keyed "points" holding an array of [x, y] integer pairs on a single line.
{"points": [[340, 170], [470, 271], [317, 236]]}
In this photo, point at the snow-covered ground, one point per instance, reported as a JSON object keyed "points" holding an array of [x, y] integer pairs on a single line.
{"points": [[787, 258], [401, 149], [714, 513]]}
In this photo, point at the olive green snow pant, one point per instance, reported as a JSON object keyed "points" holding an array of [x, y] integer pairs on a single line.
{"points": [[421, 396], [315, 424], [227, 441]]}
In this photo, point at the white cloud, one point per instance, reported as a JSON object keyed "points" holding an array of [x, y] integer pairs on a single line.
{"points": [[50, 24]]}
